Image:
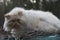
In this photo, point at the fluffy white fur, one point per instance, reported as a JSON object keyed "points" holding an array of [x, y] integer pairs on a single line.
{"points": [[34, 20]]}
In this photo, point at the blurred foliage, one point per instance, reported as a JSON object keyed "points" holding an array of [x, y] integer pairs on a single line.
{"points": [[45, 5]]}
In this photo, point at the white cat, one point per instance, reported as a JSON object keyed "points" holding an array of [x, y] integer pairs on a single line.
{"points": [[20, 21]]}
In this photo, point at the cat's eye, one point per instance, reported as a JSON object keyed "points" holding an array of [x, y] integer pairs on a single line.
{"points": [[7, 16]]}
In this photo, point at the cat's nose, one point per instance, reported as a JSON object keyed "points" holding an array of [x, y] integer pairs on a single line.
{"points": [[15, 20]]}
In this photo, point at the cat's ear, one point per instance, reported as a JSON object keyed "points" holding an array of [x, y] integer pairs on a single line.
{"points": [[7, 16], [20, 13]]}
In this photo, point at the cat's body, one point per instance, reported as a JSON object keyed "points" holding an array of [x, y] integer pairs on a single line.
{"points": [[20, 21]]}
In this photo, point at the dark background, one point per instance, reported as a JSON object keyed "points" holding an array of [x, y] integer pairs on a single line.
{"points": [[44, 5]]}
